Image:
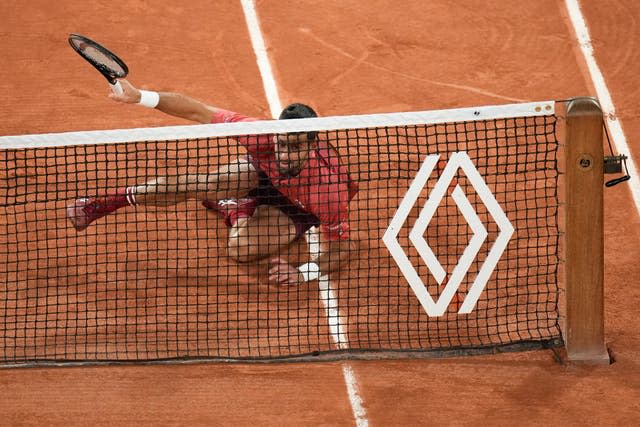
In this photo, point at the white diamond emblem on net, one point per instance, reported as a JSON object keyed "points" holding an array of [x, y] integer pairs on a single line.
{"points": [[458, 160]]}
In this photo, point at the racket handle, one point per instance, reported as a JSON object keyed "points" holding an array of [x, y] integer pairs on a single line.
{"points": [[116, 88]]}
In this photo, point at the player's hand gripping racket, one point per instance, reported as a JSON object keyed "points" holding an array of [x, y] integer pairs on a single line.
{"points": [[105, 61]]}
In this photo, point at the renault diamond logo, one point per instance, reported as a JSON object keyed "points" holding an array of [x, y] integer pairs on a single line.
{"points": [[459, 160]]}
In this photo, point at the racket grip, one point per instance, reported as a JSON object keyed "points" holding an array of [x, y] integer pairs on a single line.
{"points": [[116, 88]]}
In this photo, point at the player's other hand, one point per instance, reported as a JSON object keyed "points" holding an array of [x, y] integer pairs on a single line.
{"points": [[282, 273], [130, 94]]}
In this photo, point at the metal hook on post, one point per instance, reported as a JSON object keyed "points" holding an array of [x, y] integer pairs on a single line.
{"points": [[613, 164]]}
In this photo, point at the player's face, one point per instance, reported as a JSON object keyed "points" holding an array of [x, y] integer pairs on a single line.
{"points": [[292, 151]]}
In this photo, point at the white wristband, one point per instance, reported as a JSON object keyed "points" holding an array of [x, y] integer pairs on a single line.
{"points": [[310, 271], [149, 98]]}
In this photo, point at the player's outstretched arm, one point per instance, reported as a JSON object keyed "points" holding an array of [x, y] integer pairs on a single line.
{"points": [[174, 104]]}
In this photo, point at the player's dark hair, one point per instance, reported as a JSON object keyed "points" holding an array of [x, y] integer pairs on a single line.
{"points": [[299, 111]]}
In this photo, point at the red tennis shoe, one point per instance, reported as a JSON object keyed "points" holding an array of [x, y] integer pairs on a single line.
{"points": [[84, 211]]}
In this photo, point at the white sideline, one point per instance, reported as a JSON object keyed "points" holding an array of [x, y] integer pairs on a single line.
{"points": [[330, 302], [602, 91], [268, 81], [327, 295]]}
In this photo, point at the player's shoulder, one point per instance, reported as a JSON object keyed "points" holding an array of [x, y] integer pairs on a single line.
{"points": [[227, 116], [332, 171]]}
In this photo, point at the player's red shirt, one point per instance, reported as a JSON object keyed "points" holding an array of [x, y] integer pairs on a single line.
{"points": [[322, 188]]}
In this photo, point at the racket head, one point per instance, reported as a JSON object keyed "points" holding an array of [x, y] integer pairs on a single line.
{"points": [[103, 60]]}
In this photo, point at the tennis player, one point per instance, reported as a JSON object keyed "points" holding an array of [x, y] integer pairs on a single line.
{"points": [[286, 184]]}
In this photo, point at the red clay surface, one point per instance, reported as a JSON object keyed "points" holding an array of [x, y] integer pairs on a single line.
{"points": [[343, 58]]}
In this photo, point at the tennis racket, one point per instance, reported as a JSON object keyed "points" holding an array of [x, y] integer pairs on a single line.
{"points": [[105, 61]]}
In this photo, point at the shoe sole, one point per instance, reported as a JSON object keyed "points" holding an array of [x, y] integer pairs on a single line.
{"points": [[76, 214]]}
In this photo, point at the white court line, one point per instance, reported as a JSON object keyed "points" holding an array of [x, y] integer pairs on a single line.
{"points": [[602, 91], [330, 302], [356, 402], [268, 81], [327, 294]]}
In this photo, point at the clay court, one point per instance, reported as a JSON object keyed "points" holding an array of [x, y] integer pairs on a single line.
{"points": [[343, 58]]}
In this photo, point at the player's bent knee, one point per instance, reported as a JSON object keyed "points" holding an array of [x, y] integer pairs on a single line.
{"points": [[264, 234]]}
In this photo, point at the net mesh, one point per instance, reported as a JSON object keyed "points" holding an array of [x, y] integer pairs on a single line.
{"points": [[156, 282]]}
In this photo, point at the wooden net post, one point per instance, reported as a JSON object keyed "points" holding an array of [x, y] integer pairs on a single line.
{"points": [[584, 238]]}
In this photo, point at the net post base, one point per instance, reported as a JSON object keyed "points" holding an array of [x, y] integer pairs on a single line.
{"points": [[593, 358]]}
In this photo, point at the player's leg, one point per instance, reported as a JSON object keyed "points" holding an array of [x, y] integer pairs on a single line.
{"points": [[263, 234], [231, 180], [234, 179]]}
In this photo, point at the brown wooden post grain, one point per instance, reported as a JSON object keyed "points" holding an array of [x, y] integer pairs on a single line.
{"points": [[584, 244]]}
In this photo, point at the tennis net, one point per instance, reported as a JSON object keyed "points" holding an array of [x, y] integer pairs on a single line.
{"points": [[455, 222]]}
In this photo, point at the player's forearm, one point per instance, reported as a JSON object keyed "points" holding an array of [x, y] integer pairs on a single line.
{"points": [[187, 108], [335, 255], [173, 104]]}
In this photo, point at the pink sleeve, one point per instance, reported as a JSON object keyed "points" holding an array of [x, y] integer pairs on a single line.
{"points": [[335, 232], [226, 116], [256, 145], [332, 208], [334, 217]]}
